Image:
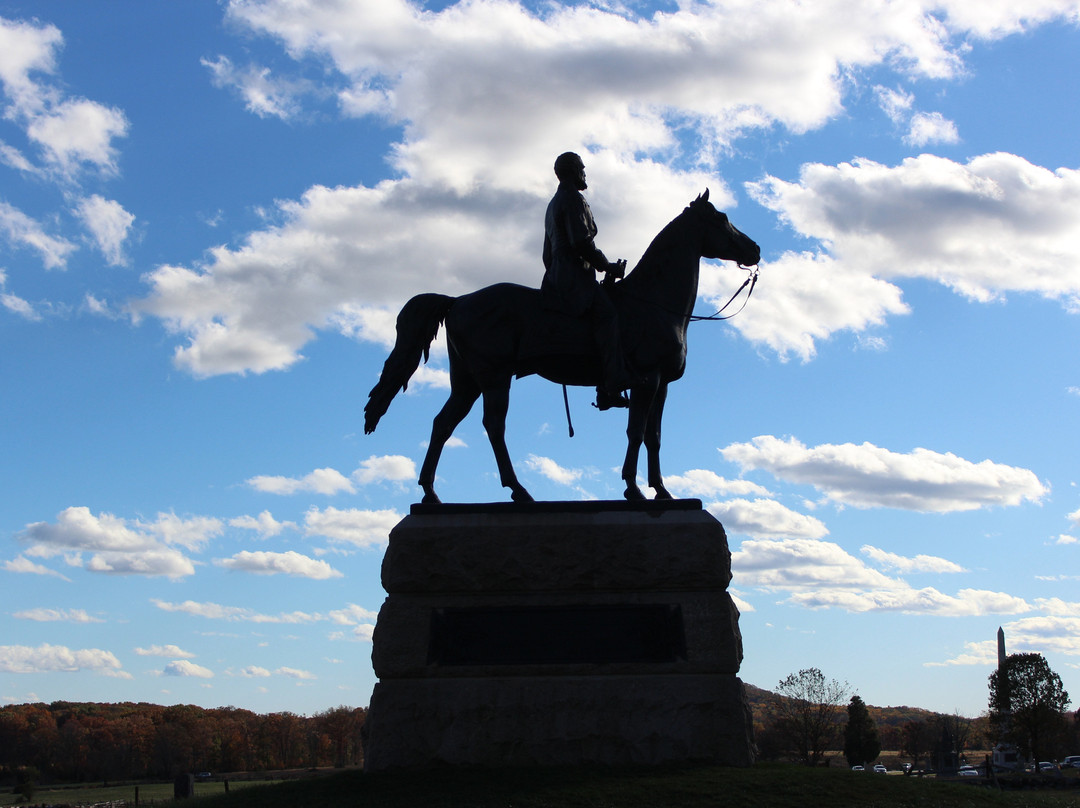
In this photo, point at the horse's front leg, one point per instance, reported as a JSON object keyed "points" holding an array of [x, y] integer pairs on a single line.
{"points": [[652, 442], [496, 405], [641, 402]]}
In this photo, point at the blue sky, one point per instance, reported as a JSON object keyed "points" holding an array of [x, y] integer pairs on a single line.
{"points": [[210, 214]]}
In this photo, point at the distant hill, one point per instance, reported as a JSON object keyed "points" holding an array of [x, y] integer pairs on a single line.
{"points": [[889, 719]]}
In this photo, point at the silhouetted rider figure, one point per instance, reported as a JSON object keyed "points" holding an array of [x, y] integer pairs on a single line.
{"points": [[570, 260]]}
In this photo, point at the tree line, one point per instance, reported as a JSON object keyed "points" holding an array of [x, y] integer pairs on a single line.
{"points": [[1027, 708], [85, 742]]}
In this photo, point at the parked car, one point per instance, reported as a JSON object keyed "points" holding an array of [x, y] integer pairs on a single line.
{"points": [[968, 771], [1071, 760], [880, 769], [1046, 766], [857, 769]]}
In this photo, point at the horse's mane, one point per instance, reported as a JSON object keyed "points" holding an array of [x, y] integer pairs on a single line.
{"points": [[657, 255]]}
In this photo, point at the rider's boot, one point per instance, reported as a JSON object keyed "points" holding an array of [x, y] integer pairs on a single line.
{"points": [[610, 399]]}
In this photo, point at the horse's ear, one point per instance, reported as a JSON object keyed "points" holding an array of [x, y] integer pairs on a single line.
{"points": [[704, 197]]}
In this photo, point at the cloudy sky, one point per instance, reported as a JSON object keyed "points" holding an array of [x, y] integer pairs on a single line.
{"points": [[210, 214]]}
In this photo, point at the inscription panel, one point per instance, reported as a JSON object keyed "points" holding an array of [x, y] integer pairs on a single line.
{"points": [[557, 635]]}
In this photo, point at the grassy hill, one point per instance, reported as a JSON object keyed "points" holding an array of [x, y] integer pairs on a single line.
{"points": [[762, 786]]}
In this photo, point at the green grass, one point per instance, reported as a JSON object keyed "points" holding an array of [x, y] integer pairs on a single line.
{"points": [[763, 786]]}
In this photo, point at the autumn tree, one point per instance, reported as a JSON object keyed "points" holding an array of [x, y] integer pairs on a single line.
{"points": [[861, 741], [916, 740], [806, 713], [342, 725], [950, 736], [1028, 704]]}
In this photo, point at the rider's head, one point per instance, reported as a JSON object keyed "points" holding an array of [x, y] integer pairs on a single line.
{"points": [[570, 168]]}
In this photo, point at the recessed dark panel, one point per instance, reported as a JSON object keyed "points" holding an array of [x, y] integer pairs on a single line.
{"points": [[557, 635]]}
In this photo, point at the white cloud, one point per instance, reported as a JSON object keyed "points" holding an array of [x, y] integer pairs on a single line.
{"points": [[254, 672], [552, 470], [353, 615], [321, 481], [804, 298], [1064, 538], [479, 90], [295, 673], [22, 231], [182, 667], [1058, 607], [49, 658], [171, 651], [109, 225], [819, 574], [57, 615], [23, 565], [867, 476], [388, 468], [118, 547], [923, 127], [215, 611], [1046, 634], [1056, 633], [71, 132], [352, 526], [14, 158], [364, 632], [705, 483], [19, 306], [79, 131], [1074, 517], [930, 127], [263, 94], [983, 652], [765, 517], [289, 563], [920, 563], [264, 524], [993, 225], [895, 103], [192, 533], [26, 48], [15, 304]]}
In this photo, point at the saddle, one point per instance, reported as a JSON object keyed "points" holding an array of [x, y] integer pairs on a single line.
{"points": [[560, 347]]}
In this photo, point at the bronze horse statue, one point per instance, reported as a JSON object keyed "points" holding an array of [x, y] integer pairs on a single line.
{"points": [[504, 330]]}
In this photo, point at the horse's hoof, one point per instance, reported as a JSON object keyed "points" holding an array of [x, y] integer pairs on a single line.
{"points": [[431, 498], [521, 495], [633, 494], [662, 493]]}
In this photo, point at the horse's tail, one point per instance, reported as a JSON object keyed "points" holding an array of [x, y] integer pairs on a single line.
{"points": [[417, 324]]}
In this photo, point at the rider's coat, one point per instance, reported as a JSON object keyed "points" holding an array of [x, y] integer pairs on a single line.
{"points": [[571, 259]]}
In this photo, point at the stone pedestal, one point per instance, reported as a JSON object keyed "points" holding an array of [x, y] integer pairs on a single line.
{"points": [[557, 633]]}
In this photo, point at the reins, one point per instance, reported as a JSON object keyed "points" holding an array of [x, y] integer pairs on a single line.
{"points": [[751, 279]]}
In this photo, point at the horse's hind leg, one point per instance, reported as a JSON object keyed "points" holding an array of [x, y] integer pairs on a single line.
{"points": [[463, 395], [496, 405]]}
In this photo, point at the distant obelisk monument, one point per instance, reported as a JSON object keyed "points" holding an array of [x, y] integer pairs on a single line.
{"points": [[1005, 754], [557, 633]]}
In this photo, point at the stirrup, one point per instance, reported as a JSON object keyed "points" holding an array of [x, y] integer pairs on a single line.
{"points": [[606, 400]]}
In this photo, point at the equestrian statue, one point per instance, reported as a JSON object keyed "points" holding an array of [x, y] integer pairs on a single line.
{"points": [[622, 334]]}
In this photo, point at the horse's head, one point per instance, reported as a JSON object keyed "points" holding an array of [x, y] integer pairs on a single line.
{"points": [[721, 239]]}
